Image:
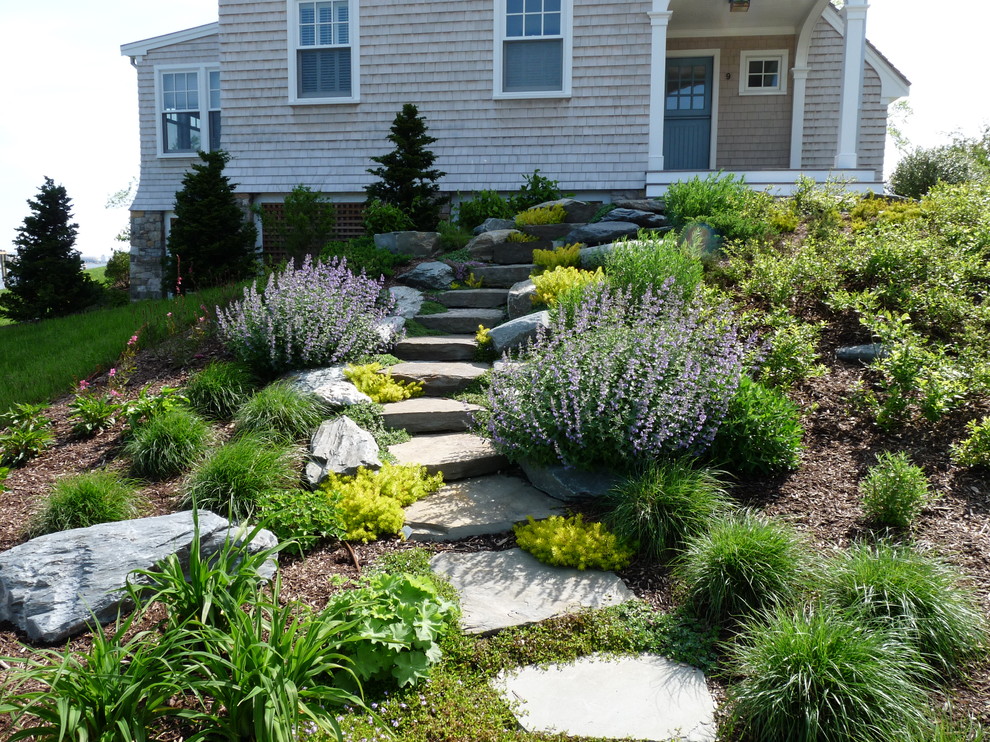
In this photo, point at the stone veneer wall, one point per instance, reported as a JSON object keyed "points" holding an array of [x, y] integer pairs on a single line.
{"points": [[147, 253]]}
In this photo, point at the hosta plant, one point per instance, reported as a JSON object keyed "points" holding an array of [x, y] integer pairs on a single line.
{"points": [[92, 413], [28, 434]]}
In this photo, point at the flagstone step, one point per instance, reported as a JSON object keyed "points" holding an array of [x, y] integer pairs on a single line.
{"points": [[514, 253], [477, 506], [437, 348], [439, 379], [475, 298], [430, 415], [461, 320], [503, 276], [456, 455]]}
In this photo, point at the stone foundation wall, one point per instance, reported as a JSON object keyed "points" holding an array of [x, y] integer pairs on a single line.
{"points": [[147, 254]]}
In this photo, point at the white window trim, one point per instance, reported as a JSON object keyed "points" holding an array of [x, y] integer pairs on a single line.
{"points": [[753, 55], [566, 33], [354, 33], [203, 79]]}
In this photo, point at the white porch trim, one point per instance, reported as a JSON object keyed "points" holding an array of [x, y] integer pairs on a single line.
{"points": [[659, 21], [854, 14], [778, 182]]}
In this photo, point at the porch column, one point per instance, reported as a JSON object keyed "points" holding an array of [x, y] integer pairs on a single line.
{"points": [[659, 19], [854, 14], [797, 118]]}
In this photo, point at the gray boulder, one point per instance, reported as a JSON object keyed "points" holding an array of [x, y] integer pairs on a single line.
{"points": [[594, 257], [519, 303], [434, 276], [600, 233], [493, 224], [329, 384], [416, 244], [653, 205], [53, 586], [407, 300], [390, 329], [568, 484], [482, 247], [577, 212], [516, 332], [342, 447], [645, 219]]}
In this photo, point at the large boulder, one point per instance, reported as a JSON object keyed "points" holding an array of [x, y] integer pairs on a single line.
{"points": [[576, 212], [548, 232], [515, 332], [433, 276], [519, 303], [567, 483], [653, 205], [329, 384], [54, 586], [492, 224], [340, 446], [595, 257], [600, 233], [408, 300], [645, 219], [416, 244], [482, 247]]}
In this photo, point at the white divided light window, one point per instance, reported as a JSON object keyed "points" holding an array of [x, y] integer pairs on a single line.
{"points": [[324, 66], [763, 72], [189, 101], [534, 46]]}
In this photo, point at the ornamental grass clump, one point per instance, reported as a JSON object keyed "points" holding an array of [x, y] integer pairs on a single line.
{"points": [[320, 314], [84, 500], [618, 380], [219, 389], [283, 412], [167, 443]]}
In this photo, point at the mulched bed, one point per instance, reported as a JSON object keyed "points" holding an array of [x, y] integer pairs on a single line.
{"points": [[820, 499]]}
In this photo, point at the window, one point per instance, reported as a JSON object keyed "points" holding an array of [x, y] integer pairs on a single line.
{"points": [[182, 95], [324, 61], [763, 73], [533, 49]]}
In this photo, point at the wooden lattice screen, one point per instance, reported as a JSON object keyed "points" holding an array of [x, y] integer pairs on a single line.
{"points": [[349, 225]]}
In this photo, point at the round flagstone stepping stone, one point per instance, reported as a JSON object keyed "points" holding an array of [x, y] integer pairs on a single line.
{"points": [[499, 589], [646, 697], [477, 506]]}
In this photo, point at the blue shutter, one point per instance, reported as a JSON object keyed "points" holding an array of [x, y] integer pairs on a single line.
{"points": [[325, 73], [533, 65]]}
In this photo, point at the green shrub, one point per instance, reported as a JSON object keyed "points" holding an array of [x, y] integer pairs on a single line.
{"points": [[974, 449], [304, 516], [453, 236], [84, 500], [895, 491], [304, 224], [913, 595], [821, 205], [872, 211], [283, 412], [167, 443], [536, 189], [234, 478], [694, 199], [649, 262], [117, 274], [537, 215], [744, 563], [362, 256], [761, 432], [920, 170], [28, 434], [792, 351], [381, 217], [570, 542], [521, 237], [818, 675], [566, 256], [381, 387], [4, 472], [484, 205], [660, 509], [550, 286], [218, 390]]}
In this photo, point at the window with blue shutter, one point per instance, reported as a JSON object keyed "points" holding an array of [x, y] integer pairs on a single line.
{"points": [[323, 57], [533, 48]]}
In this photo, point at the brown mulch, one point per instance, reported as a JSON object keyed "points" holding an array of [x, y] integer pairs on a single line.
{"points": [[820, 499]]}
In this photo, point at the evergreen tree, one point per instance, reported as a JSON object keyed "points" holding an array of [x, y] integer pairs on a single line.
{"points": [[408, 179], [211, 241], [45, 278]]}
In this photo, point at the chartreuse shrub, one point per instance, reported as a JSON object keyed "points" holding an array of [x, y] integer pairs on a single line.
{"points": [[617, 380], [570, 542], [649, 262], [541, 215], [319, 314], [168, 443], [521, 237], [974, 449], [218, 390], [761, 432], [895, 491], [873, 211], [913, 595], [553, 284], [381, 387], [565, 256], [281, 411], [236, 477], [84, 500], [742, 564], [659, 509], [817, 674], [371, 502]]}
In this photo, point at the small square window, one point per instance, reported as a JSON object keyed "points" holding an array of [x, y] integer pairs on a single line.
{"points": [[763, 72]]}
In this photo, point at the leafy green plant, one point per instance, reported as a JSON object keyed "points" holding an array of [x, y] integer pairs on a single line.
{"points": [[219, 389], [167, 443], [974, 449], [564, 256], [27, 434], [381, 387], [698, 199], [84, 500], [149, 404], [234, 478], [484, 205], [761, 432], [306, 517], [815, 674], [453, 236], [821, 205], [664, 506], [913, 595], [362, 256], [918, 171], [4, 472], [92, 413], [570, 542], [381, 218], [541, 215], [536, 189], [744, 563], [550, 286], [304, 224], [895, 491], [792, 351], [281, 411], [649, 263]]}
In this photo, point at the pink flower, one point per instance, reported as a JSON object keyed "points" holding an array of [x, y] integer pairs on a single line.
{"points": [[113, 372], [114, 393], [169, 314], [83, 385], [132, 341]]}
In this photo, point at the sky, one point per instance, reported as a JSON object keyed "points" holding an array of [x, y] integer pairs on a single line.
{"points": [[70, 106]]}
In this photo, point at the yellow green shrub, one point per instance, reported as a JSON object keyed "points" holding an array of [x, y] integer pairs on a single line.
{"points": [[541, 215], [552, 284], [371, 502], [381, 387], [876, 211], [521, 237], [568, 256], [570, 542]]}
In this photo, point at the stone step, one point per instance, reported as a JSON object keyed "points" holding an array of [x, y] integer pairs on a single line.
{"points": [[514, 253], [440, 379], [477, 506], [461, 321], [503, 276], [437, 348], [474, 298], [456, 455], [430, 415]]}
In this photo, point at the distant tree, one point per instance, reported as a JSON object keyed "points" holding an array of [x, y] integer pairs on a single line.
{"points": [[45, 278], [211, 241], [408, 178]]}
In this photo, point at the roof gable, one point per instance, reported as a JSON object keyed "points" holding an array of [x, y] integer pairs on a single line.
{"points": [[141, 48]]}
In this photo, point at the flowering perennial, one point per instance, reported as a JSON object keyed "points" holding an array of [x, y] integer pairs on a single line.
{"points": [[618, 380], [319, 314]]}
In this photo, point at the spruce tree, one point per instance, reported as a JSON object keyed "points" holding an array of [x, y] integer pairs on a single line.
{"points": [[211, 241], [408, 178], [45, 278]]}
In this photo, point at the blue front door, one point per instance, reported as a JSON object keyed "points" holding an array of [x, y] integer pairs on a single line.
{"points": [[687, 127]]}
